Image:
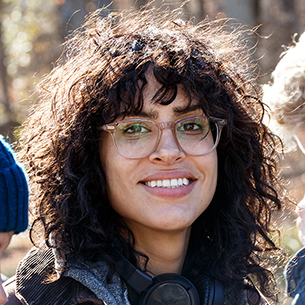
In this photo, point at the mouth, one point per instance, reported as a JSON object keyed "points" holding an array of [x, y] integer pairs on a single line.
{"points": [[168, 183]]}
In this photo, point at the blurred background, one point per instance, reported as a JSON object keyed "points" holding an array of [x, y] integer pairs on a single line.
{"points": [[32, 32]]}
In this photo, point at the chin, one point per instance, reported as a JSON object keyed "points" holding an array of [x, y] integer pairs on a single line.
{"points": [[174, 225]]}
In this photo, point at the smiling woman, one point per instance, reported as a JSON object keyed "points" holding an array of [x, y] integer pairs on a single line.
{"points": [[152, 174]]}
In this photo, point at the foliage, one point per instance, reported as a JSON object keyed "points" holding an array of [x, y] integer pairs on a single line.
{"points": [[29, 38]]}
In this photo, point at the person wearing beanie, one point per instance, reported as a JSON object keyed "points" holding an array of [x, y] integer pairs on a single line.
{"points": [[14, 192], [13, 200]]}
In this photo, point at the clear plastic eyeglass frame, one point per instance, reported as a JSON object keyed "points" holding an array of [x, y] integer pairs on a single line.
{"points": [[112, 128]]}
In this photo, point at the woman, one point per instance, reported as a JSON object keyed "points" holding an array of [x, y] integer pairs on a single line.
{"points": [[126, 177], [286, 97]]}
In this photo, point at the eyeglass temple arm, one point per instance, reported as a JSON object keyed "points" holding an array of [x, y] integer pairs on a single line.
{"points": [[221, 122], [108, 127]]}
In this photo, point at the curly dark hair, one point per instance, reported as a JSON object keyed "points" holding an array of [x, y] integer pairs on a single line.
{"points": [[101, 76]]}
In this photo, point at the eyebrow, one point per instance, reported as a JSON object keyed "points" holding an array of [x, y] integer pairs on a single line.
{"points": [[152, 114], [187, 109]]}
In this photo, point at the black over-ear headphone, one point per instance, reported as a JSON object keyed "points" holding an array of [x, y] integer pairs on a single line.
{"points": [[167, 288]]}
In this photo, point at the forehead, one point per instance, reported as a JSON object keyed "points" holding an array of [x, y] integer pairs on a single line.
{"points": [[182, 103]]}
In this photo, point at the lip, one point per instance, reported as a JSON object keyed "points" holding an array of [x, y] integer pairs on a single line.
{"points": [[163, 192]]}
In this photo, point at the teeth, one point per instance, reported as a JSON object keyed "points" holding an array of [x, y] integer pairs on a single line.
{"points": [[185, 181], [168, 183], [174, 183]]}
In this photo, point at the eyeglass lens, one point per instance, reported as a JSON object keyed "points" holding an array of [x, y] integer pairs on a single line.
{"points": [[138, 138]]}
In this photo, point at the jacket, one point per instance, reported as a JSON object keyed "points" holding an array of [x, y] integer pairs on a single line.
{"points": [[295, 278], [83, 283]]}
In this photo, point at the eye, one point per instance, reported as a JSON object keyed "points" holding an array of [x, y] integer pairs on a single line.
{"points": [[193, 126], [189, 127], [135, 128]]}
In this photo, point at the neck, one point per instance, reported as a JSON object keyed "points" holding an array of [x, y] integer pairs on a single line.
{"points": [[166, 251]]}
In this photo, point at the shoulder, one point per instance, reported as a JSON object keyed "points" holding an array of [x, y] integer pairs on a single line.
{"points": [[298, 259], [30, 284], [295, 274], [10, 287]]}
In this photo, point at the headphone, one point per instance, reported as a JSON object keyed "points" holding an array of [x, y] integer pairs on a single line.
{"points": [[167, 288]]}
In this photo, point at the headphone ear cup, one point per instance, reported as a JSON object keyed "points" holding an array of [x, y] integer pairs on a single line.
{"points": [[208, 291], [213, 292], [169, 288], [219, 296]]}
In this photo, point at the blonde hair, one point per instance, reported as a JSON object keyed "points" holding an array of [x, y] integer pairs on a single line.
{"points": [[286, 94]]}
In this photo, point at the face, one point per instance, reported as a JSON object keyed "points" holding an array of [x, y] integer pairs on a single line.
{"points": [[300, 137], [129, 180], [301, 220]]}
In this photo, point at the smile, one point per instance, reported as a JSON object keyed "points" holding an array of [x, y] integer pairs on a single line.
{"points": [[168, 183]]}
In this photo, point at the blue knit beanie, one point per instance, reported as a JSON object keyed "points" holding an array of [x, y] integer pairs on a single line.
{"points": [[14, 192]]}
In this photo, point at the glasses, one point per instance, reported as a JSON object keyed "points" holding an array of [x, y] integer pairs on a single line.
{"points": [[195, 135]]}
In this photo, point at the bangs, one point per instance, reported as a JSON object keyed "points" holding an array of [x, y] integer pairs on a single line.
{"points": [[126, 97], [179, 60]]}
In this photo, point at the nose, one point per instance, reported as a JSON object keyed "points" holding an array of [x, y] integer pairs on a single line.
{"points": [[168, 151]]}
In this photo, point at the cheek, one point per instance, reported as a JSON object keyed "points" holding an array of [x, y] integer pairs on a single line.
{"points": [[106, 153], [118, 171], [212, 167], [116, 189], [113, 171], [214, 173], [214, 182], [209, 168], [108, 156]]}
